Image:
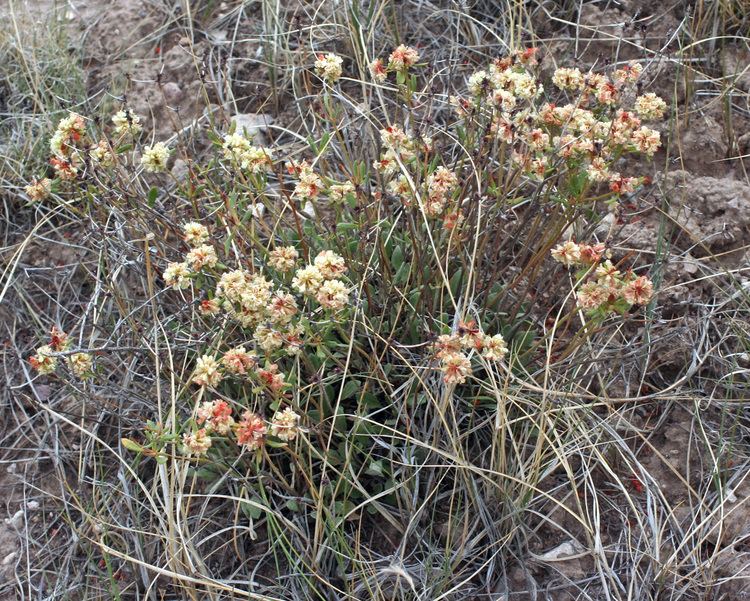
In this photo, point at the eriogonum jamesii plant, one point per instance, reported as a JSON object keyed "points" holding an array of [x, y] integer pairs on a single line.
{"points": [[313, 265]]}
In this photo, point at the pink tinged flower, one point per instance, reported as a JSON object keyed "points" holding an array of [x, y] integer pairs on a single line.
{"points": [[202, 256], [494, 347], [447, 345], [377, 70], [639, 291], [456, 368], [43, 361], [217, 415], [283, 258], [251, 431], [282, 308], [333, 294], [285, 425], [196, 443], [271, 378], [403, 57], [39, 189], [330, 264], [206, 371], [592, 295], [209, 307], [591, 254], [238, 361], [646, 140]]}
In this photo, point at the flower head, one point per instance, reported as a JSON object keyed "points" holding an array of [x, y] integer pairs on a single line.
{"points": [[308, 280], [283, 259], [177, 275], [456, 367], [251, 431], [154, 158], [494, 347], [272, 378], [328, 67], [650, 106], [330, 264], [206, 371], [39, 189], [202, 256], [196, 443], [43, 361], [568, 253], [239, 361], [126, 122], [195, 233], [402, 58], [639, 291], [81, 364], [285, 425], [333, 294], [216, 415], [377, 70]]}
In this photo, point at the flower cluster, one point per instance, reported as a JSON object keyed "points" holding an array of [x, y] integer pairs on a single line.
{"points": [[320, 280], [328, 67], [126, 122], [154, 158], [65, 146], [587, 134], [454, 351], [605, 288], [254, 159], [45, 359], [214, 418], [400, 60]]}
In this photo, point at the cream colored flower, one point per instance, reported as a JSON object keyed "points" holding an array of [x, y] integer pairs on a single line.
{"points": [[568, 79], [650, 106], [307, 280], [39, 189], [177, 275], [494, 347], [81, 364], [196, 443], [456, 368], [283, 258], [43, 361], [154, 158], [333, 294], [330, 264], [206, 371], [328, 67], [285, 425], [568, 253], [202, 256], [127, 122], [195, 233]]}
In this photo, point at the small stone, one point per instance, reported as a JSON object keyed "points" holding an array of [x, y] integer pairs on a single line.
{"points": [[172, 93]]}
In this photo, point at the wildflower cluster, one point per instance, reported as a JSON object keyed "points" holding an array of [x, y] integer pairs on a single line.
{"points": [[253, 159], [399, 61], [252, 300], [454, 351], [214, 419], [328, 67], [605, 289], [45, 359], [65, 146], [587, 134]]}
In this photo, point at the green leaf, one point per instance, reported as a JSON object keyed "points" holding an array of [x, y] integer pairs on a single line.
{"points": [[350, 389], [152, 194]]}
